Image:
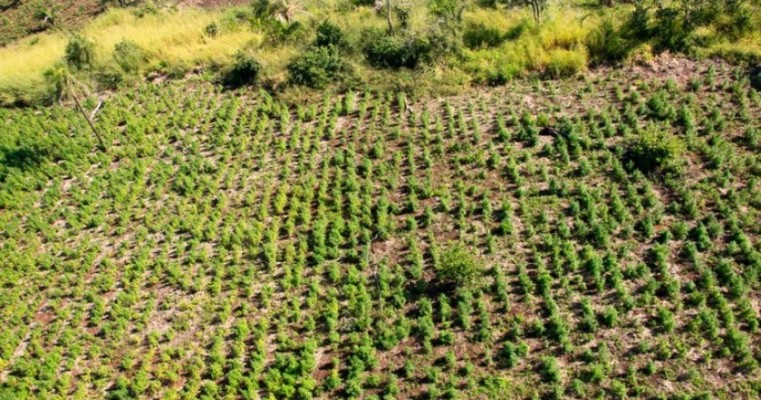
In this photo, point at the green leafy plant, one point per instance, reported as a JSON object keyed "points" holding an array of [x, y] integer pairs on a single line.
{"points": [[244, 71], [79, 53], [459, 265], [317, 67]]}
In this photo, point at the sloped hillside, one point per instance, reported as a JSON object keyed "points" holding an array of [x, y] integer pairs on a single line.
{"points": [[19, 18], [591, 238]]}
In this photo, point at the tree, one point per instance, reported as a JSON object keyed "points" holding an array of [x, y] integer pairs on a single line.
{"points": [[388, 17]]}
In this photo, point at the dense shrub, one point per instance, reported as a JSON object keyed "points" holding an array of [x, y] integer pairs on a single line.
{"points": [[79, 53], [211, 30], [672, 26], [384, 51], [550, 370], [672, 30], [110, 77], [329, 35], [129, 56], [607, 44], [244, 71], [457, 264], [317, 67], [637, 25], [518, 30], [654, 150]]}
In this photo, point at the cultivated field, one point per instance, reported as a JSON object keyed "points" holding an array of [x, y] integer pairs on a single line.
{"points": [[588, 238]]}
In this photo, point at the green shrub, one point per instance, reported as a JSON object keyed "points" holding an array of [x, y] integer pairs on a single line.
{"points": [[654, 150], [637, 25], [672, 30], [329, 35], [244, 71], [459, 265], [211, 30], [550, 370], [79, 53], [129, 56], [607, 44], [317, 67], [384, 51]]}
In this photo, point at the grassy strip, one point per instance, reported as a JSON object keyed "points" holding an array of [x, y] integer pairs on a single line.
{"points": [[497, 45]]}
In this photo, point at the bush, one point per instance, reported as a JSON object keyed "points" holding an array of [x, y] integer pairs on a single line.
{"points": [[607, 44], [672, 31], [79, 53], [637, 25], [459, 265], [654, 150], [329, 35], [383, 51], [550, 370], [244, 71], [317, 67], [129, 56], [518, 30], [211, 30]]}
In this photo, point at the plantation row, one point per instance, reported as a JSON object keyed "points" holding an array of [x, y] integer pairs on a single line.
{"points": [[579, 239]]}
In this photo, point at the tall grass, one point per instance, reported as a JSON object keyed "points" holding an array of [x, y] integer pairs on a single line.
{"points": [[170, 39], [22, 65], [553, 47]]}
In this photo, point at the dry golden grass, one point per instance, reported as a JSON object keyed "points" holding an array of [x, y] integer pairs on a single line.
{"points": [[169, 38], [22, 65]]}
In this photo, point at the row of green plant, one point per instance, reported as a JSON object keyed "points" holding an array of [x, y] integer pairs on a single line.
{"points": [[371, 244]]}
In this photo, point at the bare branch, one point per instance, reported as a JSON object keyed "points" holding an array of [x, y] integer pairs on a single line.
{"points": [[97, 108]]}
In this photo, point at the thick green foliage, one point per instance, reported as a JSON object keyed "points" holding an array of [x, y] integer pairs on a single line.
{"points": [[129, 56], [79, 53], [384, 51], [244, 71], [755, 78], [458, 264], [655, 150], [317, 67], [329, 35], [606, 43]]}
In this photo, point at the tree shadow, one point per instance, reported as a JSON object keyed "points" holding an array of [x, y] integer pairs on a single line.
{"points": [[9, 4], [23, 158]]}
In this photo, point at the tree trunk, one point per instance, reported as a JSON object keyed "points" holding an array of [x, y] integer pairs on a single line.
{"points": [[89, 120], [388, 17]]}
